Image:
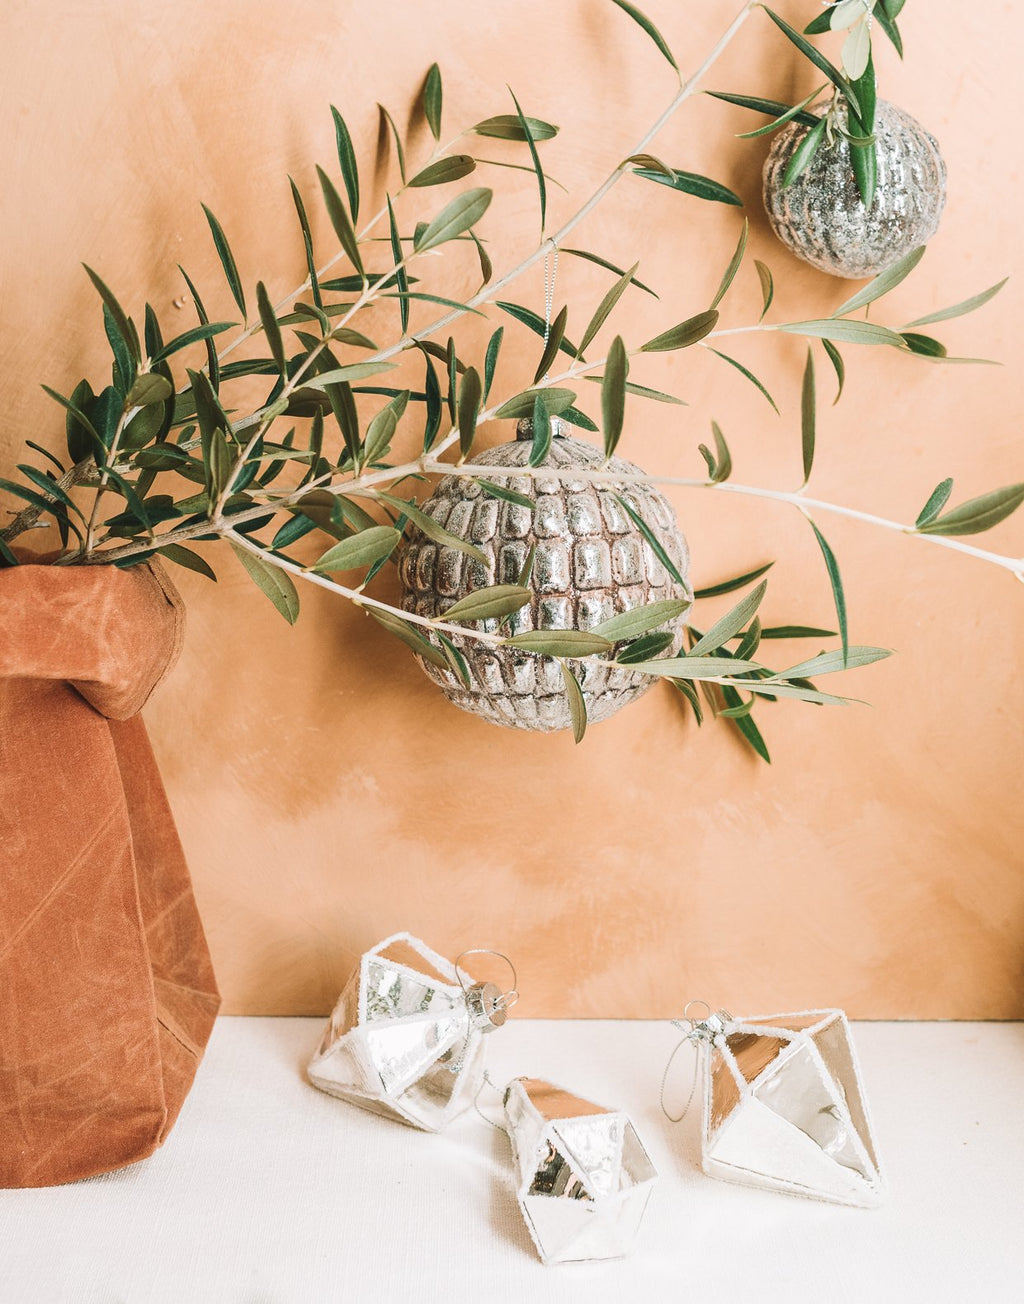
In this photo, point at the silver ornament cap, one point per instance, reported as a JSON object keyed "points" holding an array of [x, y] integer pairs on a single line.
{"points": [[821, 216]]}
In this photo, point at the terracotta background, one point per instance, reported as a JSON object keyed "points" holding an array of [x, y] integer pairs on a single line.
{"points": [[325, 793]]}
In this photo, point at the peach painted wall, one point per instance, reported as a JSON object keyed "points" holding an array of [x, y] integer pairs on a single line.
{"points": [[325, 793]]}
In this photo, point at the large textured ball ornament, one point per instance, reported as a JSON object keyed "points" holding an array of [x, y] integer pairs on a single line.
{"points": [[591, 563], [821, 216]]}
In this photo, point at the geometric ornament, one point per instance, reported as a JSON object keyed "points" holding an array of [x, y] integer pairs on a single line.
{"points": [[784, 1108], [583, 1176], [406, 1036]]}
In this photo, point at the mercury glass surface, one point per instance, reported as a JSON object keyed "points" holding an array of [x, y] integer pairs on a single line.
{"points": [[583, 1177], [821, 216], [591, 562], [402, 1040], [784, 1109]]}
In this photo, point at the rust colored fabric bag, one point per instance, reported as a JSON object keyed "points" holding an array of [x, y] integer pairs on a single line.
{"points": [[107, 994]]}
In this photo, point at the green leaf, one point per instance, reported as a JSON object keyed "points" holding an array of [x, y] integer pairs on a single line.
{"points": [[149, 388], [123, 363], [491, 360], [508, 126], [432, 389], [613, 394], [347, 162], [818, 59], [270, 327], [559, 642], [650, 161], [782, 119], [506, 495], [274, 582], [938, 499], [432, 98], [641, 391], [888, 25], [719, 464], [534, 322], [456, 217], [379, 435], [490, 603], [748, 730], [651, 31], [730, 586], [796, 631], [691, 667], [924, 345], [212, 365], [486, 267], [729, 274], [361, 549], [744, 371], [469, 408], [227, 261], [456, 661], [639, 620], [409, 636], [764, 275], [772, 108], [882, 283], [118, 315], [845, 331], [307, 244], [835, 357], [605, 307], [340, 220], [827, 663], [682, 336], [351, 371], [540, 422], [193, 336], [730, 624], [864, 154], [646, 648], [555, 337], [961, 309], [577, 703], [190, 560], [603, 262], [430, 527], [444, 170], [804, 153], [807, 416], [836, 580], [796, 692], [656, 544], [50, 488], [977, 514], [401, 276], [541, 185], [524, 575], [389, 120], [521, 405], [692, 183]]}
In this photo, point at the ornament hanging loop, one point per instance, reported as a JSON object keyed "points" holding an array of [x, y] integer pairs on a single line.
{"points": [[487, 1004], [706, 1031]]}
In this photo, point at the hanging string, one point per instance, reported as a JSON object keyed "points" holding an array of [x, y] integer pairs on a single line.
{"points": [[488, 1081], [550, 273], [495, 1008], [704, 1032]]}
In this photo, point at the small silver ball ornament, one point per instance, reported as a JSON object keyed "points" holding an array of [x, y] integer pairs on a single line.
{"points": [[591, 563], [821, 216]]}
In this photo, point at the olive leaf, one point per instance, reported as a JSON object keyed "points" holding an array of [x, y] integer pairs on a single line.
{"points": [[692, 183], [347, 162], [444, 170], [458, 216], [613, 394], [430, 527], [729, 275], [507, 126], [490, 603], [639, 620], [361, 549], [808, 416], [521, 405], [731, 623], [682, 336], [938, 498], [730, 586], [432, 101], [611, 267], [468, 409], [577, 702], [409, 636], [845, 331], [340, 220], [559, 642], [604, 309], [745, 372], [272, 581], [883, 283], [643, 21], [961, 309], [657, 547], [772, 108], [227, 260], [542, 189], [764, 275], [836, 581], [977, 514]]}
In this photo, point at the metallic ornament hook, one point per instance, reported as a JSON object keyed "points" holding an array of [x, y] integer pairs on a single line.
{"points": [[708, 1031], [488, 1005]]}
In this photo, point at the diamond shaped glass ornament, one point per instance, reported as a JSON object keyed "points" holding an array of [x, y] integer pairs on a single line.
{"points": [[784, 1108], [583, 1177], [406, 1036]]}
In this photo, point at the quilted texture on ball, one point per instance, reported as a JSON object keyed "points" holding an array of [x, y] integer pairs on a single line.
{"points": [[591, 563], [821, 216]]}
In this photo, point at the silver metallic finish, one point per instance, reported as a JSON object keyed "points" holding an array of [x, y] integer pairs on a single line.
{"points": [[583, 1178], [406, 1038], [784, 1108], [821, 216], [591, 563]]}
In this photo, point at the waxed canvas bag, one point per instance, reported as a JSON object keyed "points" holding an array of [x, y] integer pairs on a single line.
{"points": [[107, 994]]}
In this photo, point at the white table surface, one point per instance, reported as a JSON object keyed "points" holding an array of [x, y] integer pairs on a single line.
{"points": [[269, 1192]]}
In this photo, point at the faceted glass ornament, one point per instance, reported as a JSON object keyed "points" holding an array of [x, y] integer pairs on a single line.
{"points": [[406, 1038], [784, 1109], [583, 1176], [591, 563], [821, 216]]}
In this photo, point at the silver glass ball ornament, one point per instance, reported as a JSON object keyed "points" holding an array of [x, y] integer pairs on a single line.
{"points": [[591, 563], [821, 216]]}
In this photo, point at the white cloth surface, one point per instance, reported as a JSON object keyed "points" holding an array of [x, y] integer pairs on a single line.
{"points": [[270, 1192]]}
